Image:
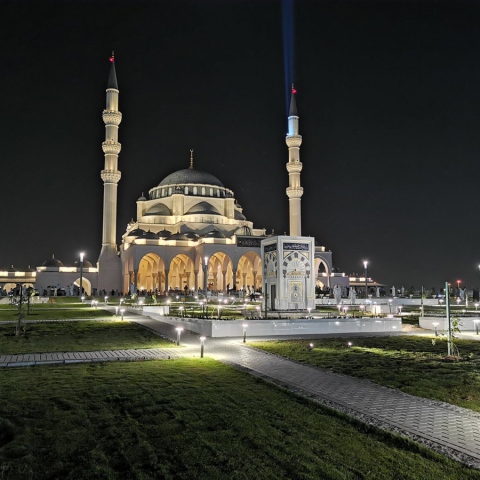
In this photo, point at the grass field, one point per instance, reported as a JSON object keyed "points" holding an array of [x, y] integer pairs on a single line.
{"points": [[187, 419], [78, 336], [53, 311], [411, 364]]}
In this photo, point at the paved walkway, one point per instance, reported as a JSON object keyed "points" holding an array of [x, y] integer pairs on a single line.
{"points": [[451, 430]]}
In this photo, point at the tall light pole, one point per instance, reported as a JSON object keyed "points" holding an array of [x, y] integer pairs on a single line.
{"points": [[80, 293], [205, 280], [205, 272], [365, 265], [449, 323]]}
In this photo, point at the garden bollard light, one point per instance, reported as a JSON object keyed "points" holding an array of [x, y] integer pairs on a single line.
{"points": [[179, 332], [435, 325], [244, 325], [202, 346], [122, 311]]}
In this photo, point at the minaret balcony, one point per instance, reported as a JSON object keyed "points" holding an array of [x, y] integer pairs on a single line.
{"points": [[294, 167], [110, 147], [294, 192], [293, 141], [111, 176], [111, 117]]}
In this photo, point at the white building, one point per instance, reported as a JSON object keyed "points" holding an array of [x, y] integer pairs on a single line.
{"points": [[189, 232]]}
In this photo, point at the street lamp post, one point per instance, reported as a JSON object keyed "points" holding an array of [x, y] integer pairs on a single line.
{"points": [[365, 265], [205, 280], [205, 268], [80, 293]]}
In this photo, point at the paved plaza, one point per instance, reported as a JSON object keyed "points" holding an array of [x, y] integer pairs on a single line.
{"points": [[445, 428]]}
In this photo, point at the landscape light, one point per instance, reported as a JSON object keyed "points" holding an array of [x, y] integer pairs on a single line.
{"points": [[179, 332], [122, 311], [476, 325], [244, 325], [202, 344], [435, 325]]}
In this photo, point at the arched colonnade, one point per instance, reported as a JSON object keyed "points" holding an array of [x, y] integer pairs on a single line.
{"points": [[156, 272]]}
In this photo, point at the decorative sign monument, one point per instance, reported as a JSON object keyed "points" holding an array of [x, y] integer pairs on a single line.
{"points": [[288, 272]]}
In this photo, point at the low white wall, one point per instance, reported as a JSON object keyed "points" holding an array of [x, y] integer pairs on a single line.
{"points": [[234, 328], [466, 323], [156, 310]]}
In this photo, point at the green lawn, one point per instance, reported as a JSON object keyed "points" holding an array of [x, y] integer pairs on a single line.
{"points": [[78, 336], [410, 364], [53, 311], [187, 419]]}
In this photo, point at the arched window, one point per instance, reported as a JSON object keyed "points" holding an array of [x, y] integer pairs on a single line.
{"points": [[186, 190], [194, 190], [203, 191]]}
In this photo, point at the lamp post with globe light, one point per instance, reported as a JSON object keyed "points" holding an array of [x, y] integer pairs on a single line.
{"points": [[80, 292], [365, 265], [205, 280]]}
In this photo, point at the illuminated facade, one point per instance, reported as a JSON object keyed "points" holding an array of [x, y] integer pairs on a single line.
{"points": [[189, 233]]}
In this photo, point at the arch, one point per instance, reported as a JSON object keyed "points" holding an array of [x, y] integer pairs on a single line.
{"points": [[86, 285], [322, 270], [151, 273], [249, 271], [182, 275]]}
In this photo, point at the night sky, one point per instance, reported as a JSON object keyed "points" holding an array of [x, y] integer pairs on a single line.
{"points": [[388, 100]]}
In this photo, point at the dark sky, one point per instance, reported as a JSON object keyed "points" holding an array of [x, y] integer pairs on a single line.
{"points": [[388, 99]]}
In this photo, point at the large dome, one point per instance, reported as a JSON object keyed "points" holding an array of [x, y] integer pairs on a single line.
{"points": [[190, 176]]}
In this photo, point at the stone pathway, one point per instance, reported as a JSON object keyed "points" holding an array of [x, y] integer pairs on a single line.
{"points": [[448, 429]]}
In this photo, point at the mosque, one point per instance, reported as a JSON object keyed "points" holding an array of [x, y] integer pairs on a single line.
{"points": [[190, 233]]}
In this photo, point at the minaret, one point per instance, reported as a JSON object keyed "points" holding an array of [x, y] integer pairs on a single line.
{"points": [[294, 167], [109, 261]]}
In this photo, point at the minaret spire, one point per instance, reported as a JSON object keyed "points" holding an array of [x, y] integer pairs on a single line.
{"points": [[112, 78], [191, 159], [294, 167], [108, 260]]}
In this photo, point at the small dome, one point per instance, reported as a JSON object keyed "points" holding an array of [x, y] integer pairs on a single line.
{"points": [[238, 215], [159, 209], [136, 232], [12, 269], [141, 198], [203, 208], [164, 234], [189, 236], [190, 176], [30, 269], [86, 264], [52, 262], [150, 235], [214, 234]]}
